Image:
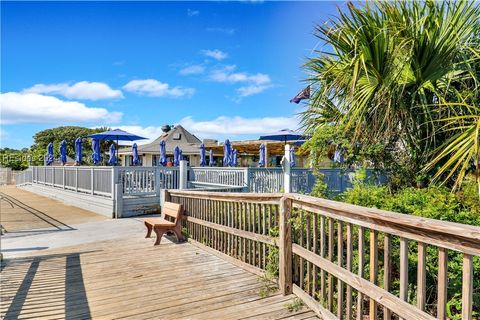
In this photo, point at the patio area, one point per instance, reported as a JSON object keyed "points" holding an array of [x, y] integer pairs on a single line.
{"points": [[111, 271]]}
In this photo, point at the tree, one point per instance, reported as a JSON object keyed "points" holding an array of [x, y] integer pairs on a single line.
{"points": [[69, 134], [394, 72]]}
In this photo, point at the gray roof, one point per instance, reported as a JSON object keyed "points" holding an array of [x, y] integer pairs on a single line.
{"points": [[177, 136]]}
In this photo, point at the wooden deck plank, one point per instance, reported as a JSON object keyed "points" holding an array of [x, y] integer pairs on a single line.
{"points": [[129, 278]]}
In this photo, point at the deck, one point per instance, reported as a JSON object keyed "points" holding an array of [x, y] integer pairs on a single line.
{"points": [[127, 277]]}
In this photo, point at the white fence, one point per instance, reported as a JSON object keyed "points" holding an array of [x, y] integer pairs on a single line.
{"points": [[147, 180], [142, 181]]}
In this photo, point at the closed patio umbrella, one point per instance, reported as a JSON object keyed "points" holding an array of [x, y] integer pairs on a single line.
{"points": [[63, 152], [203, 160], [112, 158], [163, 154], [261, 161], [210, 160], [234, 158], [49, 158], [226, 153], [292, 157], [176, 156], [136, 160], [96, 151], [78, 151]]}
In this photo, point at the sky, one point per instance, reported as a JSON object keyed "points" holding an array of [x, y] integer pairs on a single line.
{"points": [[220, 69]]}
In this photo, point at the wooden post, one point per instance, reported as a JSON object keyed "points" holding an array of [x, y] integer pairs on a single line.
{"points": [[467, 287], [287, 170], [118, 201], [183, 174], [285, 247]]}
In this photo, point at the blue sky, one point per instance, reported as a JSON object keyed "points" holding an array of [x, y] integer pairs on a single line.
{"points": [[221, 69]]}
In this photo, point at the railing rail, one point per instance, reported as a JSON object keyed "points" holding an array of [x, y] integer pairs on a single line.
{"points": [[343, 260], [24, 177]]}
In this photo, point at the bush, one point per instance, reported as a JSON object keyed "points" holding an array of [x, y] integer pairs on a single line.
{"points": [[436, 203]]}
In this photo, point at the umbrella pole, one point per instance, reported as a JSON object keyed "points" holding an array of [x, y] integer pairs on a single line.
{"points": [[117, 153]]}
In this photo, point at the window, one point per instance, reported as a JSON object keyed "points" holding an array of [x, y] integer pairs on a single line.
{"points": [[177, 136]]}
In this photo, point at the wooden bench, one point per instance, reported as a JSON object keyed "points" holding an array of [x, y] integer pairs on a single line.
{"points": [[170, 211]]}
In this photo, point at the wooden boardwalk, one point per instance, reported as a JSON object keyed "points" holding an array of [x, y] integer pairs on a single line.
{"points": [[25, 211], [130, 278]]}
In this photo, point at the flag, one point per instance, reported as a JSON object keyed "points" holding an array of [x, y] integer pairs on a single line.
{"points": [[304, 94]]}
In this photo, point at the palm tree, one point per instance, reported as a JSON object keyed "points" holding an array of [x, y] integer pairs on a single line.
{"points": [[394, 69]]}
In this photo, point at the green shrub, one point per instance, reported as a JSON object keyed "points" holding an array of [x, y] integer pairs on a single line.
{"points": [[436, 203]]}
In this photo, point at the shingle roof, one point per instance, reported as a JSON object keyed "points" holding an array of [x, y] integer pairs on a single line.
{"points": [[177, 136]]}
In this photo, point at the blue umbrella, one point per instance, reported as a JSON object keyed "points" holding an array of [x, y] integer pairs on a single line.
{"points": [[136, 160], [163, 154], [96, 151], [261, 162], [78, 151], [49, 159], [177, 153], [234, 158], [292, 157], [113, 159], [211, 161], [63, 152], [283, 135], [117, 135], [227, 149], [203, 160]]}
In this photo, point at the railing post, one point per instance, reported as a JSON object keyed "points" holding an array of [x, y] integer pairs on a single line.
{"points": [[285, 247], [63, 173], [246, 179], [164, 197], [92, 180], [183, 174], [76, 179], [157, 181], [118, 200], [114, 180], [287, 177]]}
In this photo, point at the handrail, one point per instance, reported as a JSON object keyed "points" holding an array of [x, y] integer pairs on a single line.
{"points": [[320, 242], [450, 235]]}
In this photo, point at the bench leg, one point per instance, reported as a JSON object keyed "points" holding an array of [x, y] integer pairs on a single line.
{"points": [[149, 230], [178, 233], [159, 233]]}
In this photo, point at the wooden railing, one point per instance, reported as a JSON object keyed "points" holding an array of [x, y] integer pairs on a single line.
{"points": [[344, 261]]}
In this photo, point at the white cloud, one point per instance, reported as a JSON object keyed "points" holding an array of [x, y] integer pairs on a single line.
{"points": [[227, 31], [36, 108], [226, 74], [80, 90], [252, 83], [215, 54], [236, 126], [251, 90], [192, 13], [155, 88], [193, 69]]}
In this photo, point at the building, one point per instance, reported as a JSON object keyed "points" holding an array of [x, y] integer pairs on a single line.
{"points": [[248, 151], [149, 153]]}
